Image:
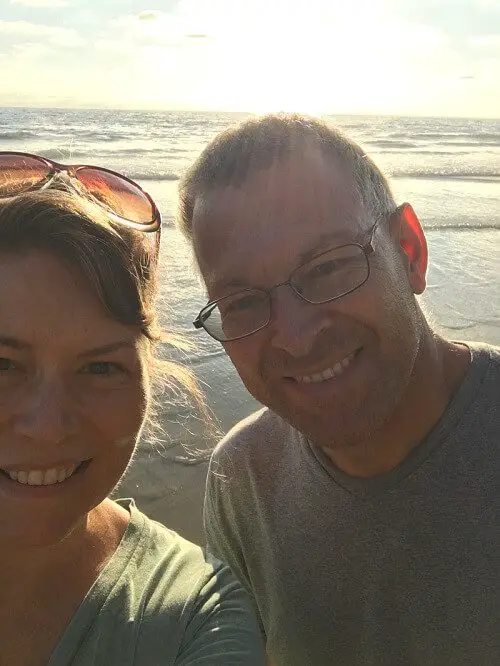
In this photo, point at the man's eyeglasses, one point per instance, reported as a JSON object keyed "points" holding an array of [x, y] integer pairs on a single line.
{"points": [[124, 200], [327, 277]]}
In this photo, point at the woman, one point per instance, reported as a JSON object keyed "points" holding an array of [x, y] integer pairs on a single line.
{"points": [[86, 580]]}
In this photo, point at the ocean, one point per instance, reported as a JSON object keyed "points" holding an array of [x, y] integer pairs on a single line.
{"points": [[448, 169]]}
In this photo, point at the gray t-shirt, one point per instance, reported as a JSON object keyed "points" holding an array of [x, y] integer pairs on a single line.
{"points": [[402, 569], [159, 602]]}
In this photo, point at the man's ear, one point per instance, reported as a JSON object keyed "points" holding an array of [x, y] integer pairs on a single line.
{"points": [[408, 233]]}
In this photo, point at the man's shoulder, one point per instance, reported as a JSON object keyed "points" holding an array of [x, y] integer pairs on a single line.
{"points": [[486, 358], [475, 403], [484, 349]]}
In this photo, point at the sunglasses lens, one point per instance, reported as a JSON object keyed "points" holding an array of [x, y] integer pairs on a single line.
{"points": [[20, 173], [121, 197]]}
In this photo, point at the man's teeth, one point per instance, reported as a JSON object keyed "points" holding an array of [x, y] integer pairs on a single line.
{"points": [[36, 477], [335, 371]]}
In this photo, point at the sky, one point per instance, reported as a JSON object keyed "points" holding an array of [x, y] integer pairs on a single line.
{"points": [[410, 57]]}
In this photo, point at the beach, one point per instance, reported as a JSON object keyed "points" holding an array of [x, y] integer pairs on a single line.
{"points": [[449, 169]]}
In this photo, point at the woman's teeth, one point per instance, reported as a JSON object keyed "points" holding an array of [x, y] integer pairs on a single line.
{"points": [[36, 477], [334, 371]]}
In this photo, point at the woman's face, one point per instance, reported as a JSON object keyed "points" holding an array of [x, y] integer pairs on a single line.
{"points": [[73, 398]]}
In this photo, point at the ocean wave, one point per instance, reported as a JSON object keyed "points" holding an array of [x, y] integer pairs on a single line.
{"points": [[17, 134], [444, 143], [70, 153], [489, 138], [463, 226], [388, 143], [153, 176], [431, 152], [472, 144], [98, 136], [146, 151], [61, 153], [482, 176]]}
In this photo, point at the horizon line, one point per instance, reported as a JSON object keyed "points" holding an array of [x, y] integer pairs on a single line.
{"points": [[240, 112]]}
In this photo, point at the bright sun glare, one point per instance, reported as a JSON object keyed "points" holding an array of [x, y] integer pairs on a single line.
{"points": [[323, 56]]}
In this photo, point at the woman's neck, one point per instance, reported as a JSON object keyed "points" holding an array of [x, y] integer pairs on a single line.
{"points": [[80, 556], [43, 587]]}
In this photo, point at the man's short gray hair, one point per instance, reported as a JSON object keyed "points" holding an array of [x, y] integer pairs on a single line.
{"points": [[257, 143]]}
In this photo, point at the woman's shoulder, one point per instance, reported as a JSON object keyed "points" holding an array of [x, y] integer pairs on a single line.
{"points": [[183, 594], [148, 545]]}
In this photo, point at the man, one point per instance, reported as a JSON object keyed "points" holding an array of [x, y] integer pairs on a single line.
{"points": [[362, 506]]}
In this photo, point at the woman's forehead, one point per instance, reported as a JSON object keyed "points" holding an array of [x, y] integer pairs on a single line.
{"points": [[42, 301]]}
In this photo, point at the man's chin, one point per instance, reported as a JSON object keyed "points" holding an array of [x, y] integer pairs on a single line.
{"points": [[335, 423]]}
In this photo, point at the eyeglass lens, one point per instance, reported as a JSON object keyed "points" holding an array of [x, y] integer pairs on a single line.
{"points": [[325, 278]]}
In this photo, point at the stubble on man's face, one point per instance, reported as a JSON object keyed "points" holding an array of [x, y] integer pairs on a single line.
{"points": [[255, 236]]}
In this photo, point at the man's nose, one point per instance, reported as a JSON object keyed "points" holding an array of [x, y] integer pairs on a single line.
{"points": [[44, 412], [295, 323]]}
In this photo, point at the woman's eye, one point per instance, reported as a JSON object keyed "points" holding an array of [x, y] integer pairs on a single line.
{"points": [[102, 368], [6, 365]]}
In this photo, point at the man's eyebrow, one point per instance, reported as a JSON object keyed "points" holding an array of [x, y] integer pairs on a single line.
{"points": [[233, 284], [323, 243]]}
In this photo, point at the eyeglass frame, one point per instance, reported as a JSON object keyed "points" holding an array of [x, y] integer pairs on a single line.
{"points": [[367, 249], [72, 169]]}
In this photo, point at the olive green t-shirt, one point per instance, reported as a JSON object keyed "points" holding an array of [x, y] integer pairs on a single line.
{"points": [[160, 602], [399, 569]]}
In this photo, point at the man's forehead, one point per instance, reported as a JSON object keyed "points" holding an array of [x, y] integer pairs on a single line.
{"points": [[288, 212], [309, 182]]}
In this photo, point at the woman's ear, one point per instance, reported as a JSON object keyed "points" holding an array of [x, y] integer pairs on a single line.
{"points": [[409, 234]]}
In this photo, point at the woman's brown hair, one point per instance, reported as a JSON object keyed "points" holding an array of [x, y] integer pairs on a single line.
{"points": [[119, 263]]}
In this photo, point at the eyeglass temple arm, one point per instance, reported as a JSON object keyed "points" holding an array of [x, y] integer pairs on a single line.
{"points": [[368, 248], [201, 318]]}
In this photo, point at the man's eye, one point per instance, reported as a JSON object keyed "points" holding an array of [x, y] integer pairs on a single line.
{"points": [[241, 304], [102, 368], [324, 269], [329, 267]]}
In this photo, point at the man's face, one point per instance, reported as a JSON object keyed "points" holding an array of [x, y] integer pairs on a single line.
{"points": [[254, 237]]}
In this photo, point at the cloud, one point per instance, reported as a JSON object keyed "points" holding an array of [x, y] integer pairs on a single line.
{"points": [[40, 3], [154, 27], [29, 50], [149, 15], [363, 56], [66, 37], [486, 41], [457, 18]]}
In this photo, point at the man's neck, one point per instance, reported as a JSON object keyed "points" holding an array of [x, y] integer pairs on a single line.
{"points": [[438, 372]]}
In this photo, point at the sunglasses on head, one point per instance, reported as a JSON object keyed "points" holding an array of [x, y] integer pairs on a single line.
{"points": [[125, 201]]}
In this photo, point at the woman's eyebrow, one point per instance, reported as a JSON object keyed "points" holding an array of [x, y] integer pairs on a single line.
{"points": [[109, 348], [15, 343]]}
